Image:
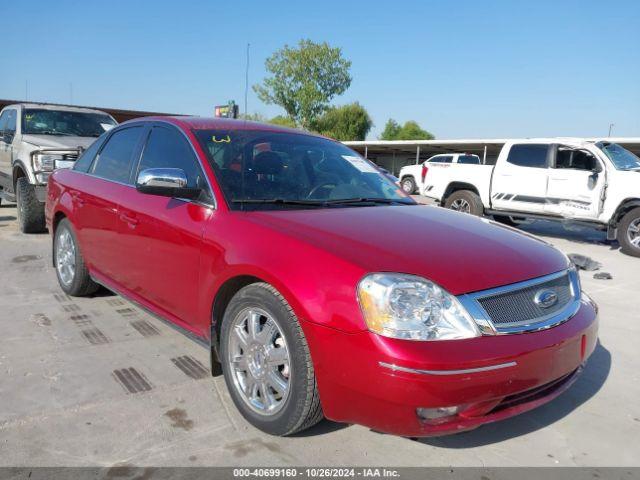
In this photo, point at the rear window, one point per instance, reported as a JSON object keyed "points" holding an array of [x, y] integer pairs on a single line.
{"points": [[529, 155], [441, 159]]}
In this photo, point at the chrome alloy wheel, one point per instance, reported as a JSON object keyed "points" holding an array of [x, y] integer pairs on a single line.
{"points": [[461, 205], [259, 361], [633, 233], [66, 257]]}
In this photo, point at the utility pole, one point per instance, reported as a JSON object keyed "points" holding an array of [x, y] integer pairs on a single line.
{"points": [[611, 125], [246, 83]]}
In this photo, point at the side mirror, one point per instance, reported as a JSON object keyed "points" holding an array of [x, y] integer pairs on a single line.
{"points": [[166, 182], [7, 137]]}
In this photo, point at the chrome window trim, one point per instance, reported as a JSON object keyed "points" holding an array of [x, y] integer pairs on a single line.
{"points": [[470, 302], [488, 368]]}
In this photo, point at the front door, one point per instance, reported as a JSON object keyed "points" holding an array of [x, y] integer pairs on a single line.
{"points": [[164, 235], [520, 182], [7, 134], [576, 184]]}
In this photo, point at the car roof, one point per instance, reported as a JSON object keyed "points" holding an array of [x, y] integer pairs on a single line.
{"points": [[214, 123]]}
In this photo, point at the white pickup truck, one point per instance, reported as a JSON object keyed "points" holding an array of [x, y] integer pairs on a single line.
{"points": [[412, 176], [592, 182]]}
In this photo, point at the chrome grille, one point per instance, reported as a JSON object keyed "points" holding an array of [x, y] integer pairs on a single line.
{"points": [[514, 308], [518, 306]]}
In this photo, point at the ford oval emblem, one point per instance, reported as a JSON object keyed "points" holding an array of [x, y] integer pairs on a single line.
{"points": [[545, 298]]}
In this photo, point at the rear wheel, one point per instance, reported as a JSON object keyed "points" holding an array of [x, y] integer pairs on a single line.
{"points": [[465, 201], [408, 185], [629, 233], [266, 362], [72, 273], [30, 210]]}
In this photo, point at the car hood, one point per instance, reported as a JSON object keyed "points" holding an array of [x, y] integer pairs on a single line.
{"points": [[58, 142], [457, 251]]}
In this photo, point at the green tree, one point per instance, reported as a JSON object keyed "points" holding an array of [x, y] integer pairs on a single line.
{"points": [[283, 121], [348, 122], [304, 79], [391, 130], [409, 131]]}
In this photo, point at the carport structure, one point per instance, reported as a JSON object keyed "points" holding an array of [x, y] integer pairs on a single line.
{"points": [[395, 154]]}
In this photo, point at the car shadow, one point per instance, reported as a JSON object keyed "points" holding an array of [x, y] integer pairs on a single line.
{"points": [[588, 384], [8, 218], [322, 428], [575, 233]]}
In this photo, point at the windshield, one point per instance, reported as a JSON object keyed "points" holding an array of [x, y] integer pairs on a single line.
{"points": [[266, 170], [59, 122], [621, 158]]}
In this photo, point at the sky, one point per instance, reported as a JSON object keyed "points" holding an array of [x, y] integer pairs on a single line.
{"points": [[461, 69]]}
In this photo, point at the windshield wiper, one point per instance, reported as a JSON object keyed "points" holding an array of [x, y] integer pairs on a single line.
{"points": [[383, 201], [279, 201], [52, 132]]}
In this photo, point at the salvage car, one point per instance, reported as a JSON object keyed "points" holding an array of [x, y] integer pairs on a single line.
{"points": [[36, 139], [281, 250], [595, 183]]}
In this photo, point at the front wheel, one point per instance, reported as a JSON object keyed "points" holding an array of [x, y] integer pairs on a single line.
{"points": [[465, 201], [71, 270], [408, 185], [30, 209], [629, 233], [266, 362]]}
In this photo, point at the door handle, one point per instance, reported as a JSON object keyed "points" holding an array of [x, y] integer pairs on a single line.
{"points": [[129, 220]]}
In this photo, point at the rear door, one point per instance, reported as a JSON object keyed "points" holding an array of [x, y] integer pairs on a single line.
{"points": [[520, 181], [164, 235], [576, 183], [96, 195]]}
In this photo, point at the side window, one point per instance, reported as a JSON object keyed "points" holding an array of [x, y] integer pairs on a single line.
{"points": [[114, 161], [568, 158], [442, 159], [11, 122], [166, 148], [528, 155], [3, 121], [84, 162]]}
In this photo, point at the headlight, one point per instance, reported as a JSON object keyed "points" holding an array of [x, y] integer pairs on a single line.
{"points": [[405, 306], [45, 163]]}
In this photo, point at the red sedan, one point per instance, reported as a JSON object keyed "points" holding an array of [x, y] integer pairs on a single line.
{"points": [[322, 289]]}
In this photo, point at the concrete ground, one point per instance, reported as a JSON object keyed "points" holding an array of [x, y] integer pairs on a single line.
{"points": [[96, 381]]}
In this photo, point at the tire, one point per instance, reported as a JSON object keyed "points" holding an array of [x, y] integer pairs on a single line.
{"points": [[408, 185], [288, 413], [79, 283], [30, 210], [465, 201], [507, 220], [629, 233]]}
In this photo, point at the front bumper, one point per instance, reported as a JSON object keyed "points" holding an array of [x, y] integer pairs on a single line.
{"points": [[359, 384]]}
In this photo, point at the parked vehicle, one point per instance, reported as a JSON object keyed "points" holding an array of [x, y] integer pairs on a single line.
{"points": [[282, 250], [412, 176], [35, 139], [594, 183]]}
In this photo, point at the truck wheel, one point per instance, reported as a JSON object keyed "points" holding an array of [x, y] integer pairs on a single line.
{"points": [[72, 272], [266, 362], [465, 201], [408, 185], [30, 210], [629, 233]]}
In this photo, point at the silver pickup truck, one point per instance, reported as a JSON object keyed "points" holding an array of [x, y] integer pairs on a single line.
{"points": [[36, 139]]}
